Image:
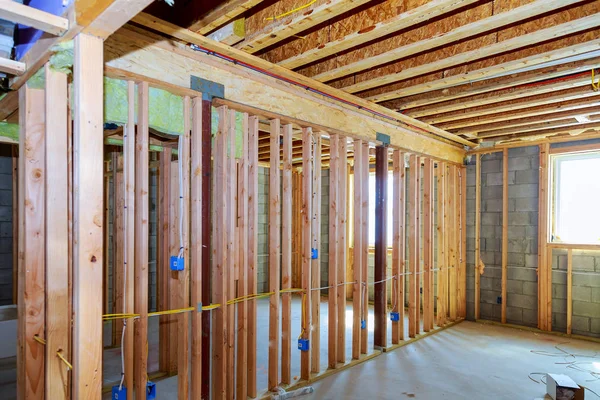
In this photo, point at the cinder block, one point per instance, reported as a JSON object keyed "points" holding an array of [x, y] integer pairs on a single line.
{"points": [[583, 263], [515, 231], [559, 321], [530, 317], [6, 197], [595, 325], [487, 257], [493, 244], [522, 274], [493, 179], [491, 192], [491, 166], [583, 293], [524, 151], [5, 182], [578, 279], [581, 324], [527, 176], [514, 286], [5, 213], [522, 301], [530, 288], [489, 296], [585, 309], [596, 295], [514, 314], [526, 204], [490, 218], [492, 205], [519, 218], [559, 277], [471, 175], [519, 163], [529, 190], [516, 259]]}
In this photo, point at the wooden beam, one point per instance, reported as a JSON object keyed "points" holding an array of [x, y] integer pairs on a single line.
{"points": [[504, 46], [462, 267], [569, 291], [442, 265], [380, 265], [398, 245], [413, 250], [103, 22], [573, 130], [561, 123], [514, 80], [544, 262], [334, 245], [87, 265], [357, 251], [364, 332], [297, 22], [232, 261], [252, 248], [230, 34], [477, 268], [496, 21], [342, 249], [315, 268], [286, 257], [232, 79], [416, 16], [222, 14], [536, 100], [32, 17], [427, 244], [274, 254], [32, 236], [579, 80], [219, 260], [129, 151], [306, 323], [452, 211], [532, 62], [57, 228], [15, 217], [141, 242], [12, 67]]}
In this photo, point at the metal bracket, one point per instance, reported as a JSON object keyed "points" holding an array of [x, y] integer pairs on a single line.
{"points": [[383, 138], [208, 89]]}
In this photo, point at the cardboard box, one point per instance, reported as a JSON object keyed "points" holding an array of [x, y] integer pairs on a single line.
{"points": [[562, 387]]}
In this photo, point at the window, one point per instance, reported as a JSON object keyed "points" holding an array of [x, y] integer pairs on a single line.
{"points": [[390, 196], [576, 198]]}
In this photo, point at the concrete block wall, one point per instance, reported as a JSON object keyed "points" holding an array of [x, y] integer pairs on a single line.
{"points": [[6, 226]]}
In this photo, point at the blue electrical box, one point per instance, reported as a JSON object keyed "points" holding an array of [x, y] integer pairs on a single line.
{"points": [[314, 253], [303, 344], [150, 391], [176, 263], [394, 316], [119, 394], [363, 324]]}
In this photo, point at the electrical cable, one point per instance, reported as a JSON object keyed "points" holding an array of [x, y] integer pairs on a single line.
{"points": [[181, 202]]}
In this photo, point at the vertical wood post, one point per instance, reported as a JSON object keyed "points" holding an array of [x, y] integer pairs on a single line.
{"points": [[307, 145], [544, 261], [413, 250], [442, 264], [358, 252], [427, 244], [365, 246], [343, 249], [316, 262], [334, 175], [286, 257], [88, 149], [462, 277], [398, 246], [452, 245], [32, 232], [380, 268], [207, 242]]}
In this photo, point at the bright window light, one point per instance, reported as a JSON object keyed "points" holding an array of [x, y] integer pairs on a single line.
{"points": [[576, 198]]}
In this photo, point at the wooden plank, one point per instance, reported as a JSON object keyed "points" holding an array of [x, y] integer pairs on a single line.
{"points": [[452, 212], [398, 245], [222, 14], [232, 33], [544, 261], [415, 16], [183, 292], [141, 242], [413, 193], [118, 239], [33, 17], [242, 308], [206, 62], [219, 260], [462, 269], [569, 291], [427, 244], [442, 264], [418, 271], [232, 261], [118, 13], [32, 232], [504, 232], [195, 252], [286, 257], [477, 236], [15, 218], [536, 61], [252, 248], [380, 265], [297, 22], [12, 67], [57, 244], [343, 248], [87, 230], [307, 154], [316, 262], [491, 23], [364, 333], [129, 149], [334, 245], [357, 251], [274, 254]]}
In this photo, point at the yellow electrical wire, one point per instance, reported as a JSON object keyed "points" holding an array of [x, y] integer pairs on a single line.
{"points": [[285, 14], [303, 305], [58, 353], [39, 339], [595, 86]]}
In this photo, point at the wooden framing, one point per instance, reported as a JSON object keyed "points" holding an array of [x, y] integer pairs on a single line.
{"points": [[34, 18], [232, 261], [119, 210], [315, 267], [12, 67], [357, 291], [307, 154], [274, 254], [221, 15], [342, 249], [334, 245], [478, 270], [428, 244], [504, 232], [32, 276], [398, 246], [462, 266], [544, 262], [442, 259], [286, 257], [452, 212], [87, 210], [413, 250], [380, 265], [365, 246]]}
